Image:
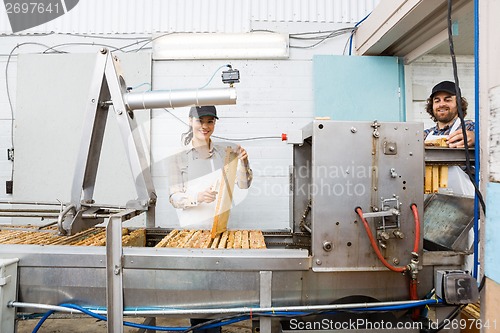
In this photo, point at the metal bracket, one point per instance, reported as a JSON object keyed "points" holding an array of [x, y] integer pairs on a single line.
{"points": [[109, 88], [376, 125], [391, 221], [10, 154], [390, 148]]}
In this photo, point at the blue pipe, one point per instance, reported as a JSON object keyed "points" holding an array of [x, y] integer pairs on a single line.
{"points": [[104, 318], [476, 135], [236, 319]]}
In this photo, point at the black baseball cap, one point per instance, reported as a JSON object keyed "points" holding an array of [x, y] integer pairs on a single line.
{"points": [[200, 111], [446, 86]]}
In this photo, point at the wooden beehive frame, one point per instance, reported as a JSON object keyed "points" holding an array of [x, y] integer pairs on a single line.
{"points": [[225, 197], [229, 239]]}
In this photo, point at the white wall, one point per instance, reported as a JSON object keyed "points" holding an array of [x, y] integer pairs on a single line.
{"points": [[427, 71], [148, 16], [273, 96]]}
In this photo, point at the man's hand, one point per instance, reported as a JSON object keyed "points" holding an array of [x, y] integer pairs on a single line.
{"points": [[456, 139], [207, 196]]}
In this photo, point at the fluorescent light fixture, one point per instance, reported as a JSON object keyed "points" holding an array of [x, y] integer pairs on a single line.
{"points": [[251, 45]]}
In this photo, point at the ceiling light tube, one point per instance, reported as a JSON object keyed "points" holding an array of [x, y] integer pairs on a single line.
{"points": [[251, 45]]}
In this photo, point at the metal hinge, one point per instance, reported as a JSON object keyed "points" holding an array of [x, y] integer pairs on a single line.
{"points": [[10, 154]]}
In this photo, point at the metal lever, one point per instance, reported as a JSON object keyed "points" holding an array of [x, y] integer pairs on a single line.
{"points": [[389, 212]]}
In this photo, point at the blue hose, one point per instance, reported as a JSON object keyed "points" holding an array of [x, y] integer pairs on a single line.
{"points": [[236, 319], [104, 318], [42, 320]]}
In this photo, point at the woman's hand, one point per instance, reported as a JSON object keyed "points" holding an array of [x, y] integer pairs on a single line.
{"points": [[242, 155], [456, 139], [207, 196]]}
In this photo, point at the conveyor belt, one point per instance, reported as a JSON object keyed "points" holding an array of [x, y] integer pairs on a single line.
{"points": [[234, 239], [90, 237]]}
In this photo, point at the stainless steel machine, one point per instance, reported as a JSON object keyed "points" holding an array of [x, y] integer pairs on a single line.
{"points": [[355, 235]]}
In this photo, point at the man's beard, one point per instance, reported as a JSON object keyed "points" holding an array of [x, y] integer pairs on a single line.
{"points": [[445, 117]]}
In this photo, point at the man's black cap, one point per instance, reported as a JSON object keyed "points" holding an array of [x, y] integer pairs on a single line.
{"points": [[446, 86], [200, 111]]}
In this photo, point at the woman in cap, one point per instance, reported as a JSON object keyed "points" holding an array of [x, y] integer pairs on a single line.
{"points": [[195, 172]]}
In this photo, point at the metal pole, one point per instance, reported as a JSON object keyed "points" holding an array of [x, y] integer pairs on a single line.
{"points": [[114, 271], [266, 279], [179, 98]]}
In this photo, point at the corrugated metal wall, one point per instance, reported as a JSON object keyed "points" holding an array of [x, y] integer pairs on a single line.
{"points": [[132, 16]]}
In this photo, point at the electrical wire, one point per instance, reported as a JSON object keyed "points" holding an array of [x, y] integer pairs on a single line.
{"points": [[477, 161], [54, 50], [141, 85], [7, 90], [460, 110], [153, 39], [224, 138], [474, 179], [330, 34], [354, 31], [448, 319], [212, 77], [247, 139]]}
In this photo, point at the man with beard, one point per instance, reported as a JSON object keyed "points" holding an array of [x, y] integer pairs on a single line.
{"points": [[443, 109]]}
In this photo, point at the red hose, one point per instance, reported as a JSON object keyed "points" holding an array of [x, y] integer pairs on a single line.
{"points": [[413, 289], [375, 246], [413, 282], [414, 296], [414, 209]]}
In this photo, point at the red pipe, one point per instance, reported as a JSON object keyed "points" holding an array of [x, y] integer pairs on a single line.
{"points": [[375, 246], [414, 209], [414, 296], [413, 282]]}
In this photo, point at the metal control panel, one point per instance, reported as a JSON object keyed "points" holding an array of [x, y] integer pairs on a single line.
{"points": [[378, 167]]}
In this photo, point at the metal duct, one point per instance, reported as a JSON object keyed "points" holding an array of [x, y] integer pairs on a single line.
{"points": [[179, 98]]}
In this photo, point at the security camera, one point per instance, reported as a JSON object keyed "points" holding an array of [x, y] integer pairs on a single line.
{"points": [[231, 76]]}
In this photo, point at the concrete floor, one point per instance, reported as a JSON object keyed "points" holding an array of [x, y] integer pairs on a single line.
{"points": [[80, 324]]}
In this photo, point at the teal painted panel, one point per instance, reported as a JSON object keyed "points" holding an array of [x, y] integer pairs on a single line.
{"points": [[492, 232], [361, 88]]}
